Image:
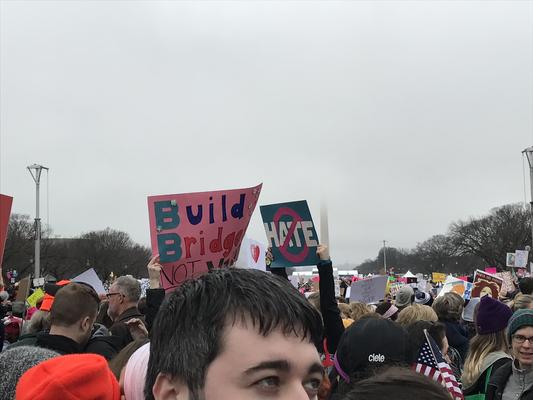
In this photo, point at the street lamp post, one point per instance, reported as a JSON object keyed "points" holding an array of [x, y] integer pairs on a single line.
{"points": [[35, 171]]}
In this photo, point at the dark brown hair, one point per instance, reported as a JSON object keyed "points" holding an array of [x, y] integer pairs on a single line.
{"points": [[73, 302]]}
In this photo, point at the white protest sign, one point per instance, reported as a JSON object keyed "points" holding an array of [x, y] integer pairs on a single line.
{"points": [[509, 260], [348, 292], [294, 281], [92, 279], [252, 255], [520, 258], [462, 288], [370, 290]]}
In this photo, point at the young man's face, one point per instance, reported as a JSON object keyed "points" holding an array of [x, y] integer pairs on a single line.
{"points": [[252, 366]]}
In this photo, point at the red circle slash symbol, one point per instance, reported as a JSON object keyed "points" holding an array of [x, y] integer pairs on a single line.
{"points": [[294, 258]]}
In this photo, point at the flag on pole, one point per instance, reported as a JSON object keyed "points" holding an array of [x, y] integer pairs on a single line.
{"points": [[431, 363]]}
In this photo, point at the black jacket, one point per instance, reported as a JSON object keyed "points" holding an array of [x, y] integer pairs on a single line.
{"points": [[120, 330], [499, 380], [57, 343], [331, 315], [479, 386], [457, 337]]}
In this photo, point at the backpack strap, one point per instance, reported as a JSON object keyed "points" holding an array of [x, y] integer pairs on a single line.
{"points": [[487, 378]]}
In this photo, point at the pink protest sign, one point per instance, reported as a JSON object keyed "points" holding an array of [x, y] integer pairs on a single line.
{"points": [[491, 270], [196, 232]]}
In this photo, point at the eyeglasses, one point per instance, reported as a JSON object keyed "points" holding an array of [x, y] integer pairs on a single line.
{"points": [[521, 339], [112, 294]]}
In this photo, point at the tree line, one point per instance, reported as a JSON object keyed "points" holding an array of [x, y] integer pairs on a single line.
{"points": [[106, 251], [468, 245]]}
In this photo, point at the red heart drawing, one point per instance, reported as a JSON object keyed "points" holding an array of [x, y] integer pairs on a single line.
{"points": [[255, 252]]}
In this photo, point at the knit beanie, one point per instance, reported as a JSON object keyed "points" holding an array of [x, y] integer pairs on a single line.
{"points": [[404, 297], [15, 362], [70, 377], [518, 320], [492, 316], [135, 373]]}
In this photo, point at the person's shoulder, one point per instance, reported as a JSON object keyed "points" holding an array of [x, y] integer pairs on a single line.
{"points": [[132, 312], [501, 373]]}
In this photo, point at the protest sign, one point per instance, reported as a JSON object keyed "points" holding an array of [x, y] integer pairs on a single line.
{"points": [[34, 298], [370, 290], [5, 212], [395, 287], [252, 255], [290, 233], [491, 270], [89, 277], [197, 232], [520, 258], [509, 260], [508, 285], [462, 288], [23, 289], [438, 277], [145, 285], [486, 284]]}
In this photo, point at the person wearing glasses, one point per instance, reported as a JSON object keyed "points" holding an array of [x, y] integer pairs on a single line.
{"points": [[123, 297], [514, 380]]}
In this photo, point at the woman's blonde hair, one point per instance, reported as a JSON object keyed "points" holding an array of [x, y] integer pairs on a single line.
{"points": [[480, 347], [522, 301], [345, 310], [416, 312], [357, 310]]}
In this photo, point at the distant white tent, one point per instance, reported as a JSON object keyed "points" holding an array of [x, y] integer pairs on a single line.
{"points": [[409, 275]]}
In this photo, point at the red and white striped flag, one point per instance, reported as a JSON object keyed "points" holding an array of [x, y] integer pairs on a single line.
{"points": [[431, 363]]}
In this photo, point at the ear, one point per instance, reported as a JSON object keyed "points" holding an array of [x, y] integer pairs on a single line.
{"points": [[166, 388], [86, 323]]}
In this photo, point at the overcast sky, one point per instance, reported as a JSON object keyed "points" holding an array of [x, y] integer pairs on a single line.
{"points": [[404, 116]]}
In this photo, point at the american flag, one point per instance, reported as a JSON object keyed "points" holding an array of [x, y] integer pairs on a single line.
{"points": [[430, 363]]}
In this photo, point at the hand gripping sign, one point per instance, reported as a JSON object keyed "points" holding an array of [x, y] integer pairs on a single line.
{"points": [[290, 233], [196, 232]]}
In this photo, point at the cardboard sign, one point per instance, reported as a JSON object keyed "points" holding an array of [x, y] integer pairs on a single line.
{"points": [[370, 290], [508, 285], [23, 289], [35, 297], [291, 234], [486, 284], [5, 212], [89, 277], [462, 288], [197, 232], [438, 277], [520, 258], [509, 260]]}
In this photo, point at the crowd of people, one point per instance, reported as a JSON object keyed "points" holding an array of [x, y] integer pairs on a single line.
{"points": [[247, 334]]}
